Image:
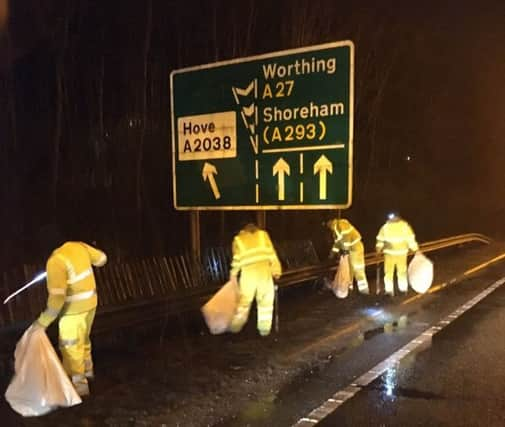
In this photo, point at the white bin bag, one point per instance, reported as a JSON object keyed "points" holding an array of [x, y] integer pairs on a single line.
{"points": [[220, 309], [343, 278], [40, 383], [420, 273]]}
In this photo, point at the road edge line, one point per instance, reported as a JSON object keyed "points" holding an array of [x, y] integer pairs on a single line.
{"points": [[341, 396]]}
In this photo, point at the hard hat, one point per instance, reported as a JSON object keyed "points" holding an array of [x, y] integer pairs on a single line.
{"points": [[393, 215], [250, 227]]}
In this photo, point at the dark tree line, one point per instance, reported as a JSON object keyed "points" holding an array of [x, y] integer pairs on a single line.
{"points": [[85, 116]]}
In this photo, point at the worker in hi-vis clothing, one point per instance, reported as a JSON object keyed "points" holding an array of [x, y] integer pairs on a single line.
{"points": [[254, 257], [348, 239], [72, 296], [395, 238]]}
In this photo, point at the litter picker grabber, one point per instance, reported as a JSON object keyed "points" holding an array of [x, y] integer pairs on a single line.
{"points": [[36, 279], [378, 279], [276, 287]]}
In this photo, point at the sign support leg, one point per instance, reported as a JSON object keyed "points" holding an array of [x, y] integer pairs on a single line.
{"points": [[261, 219], [195, 235]]}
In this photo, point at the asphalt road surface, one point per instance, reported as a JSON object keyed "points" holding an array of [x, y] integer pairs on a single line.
{"points": [[458, 380], [177, 374]]}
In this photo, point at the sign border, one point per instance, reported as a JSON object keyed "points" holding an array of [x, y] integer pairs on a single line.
{"points": [[285, 52]]}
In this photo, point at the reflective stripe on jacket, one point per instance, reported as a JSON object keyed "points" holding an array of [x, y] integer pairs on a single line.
{"points": [[70, 280], [253, 248], [396, 238], [345, 235]]}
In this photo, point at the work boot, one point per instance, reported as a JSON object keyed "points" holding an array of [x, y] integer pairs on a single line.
{"points": [[82, 389], [81, 385], [403, 290], [363, 288], [88, 369], [89, 373], [389, 290]]}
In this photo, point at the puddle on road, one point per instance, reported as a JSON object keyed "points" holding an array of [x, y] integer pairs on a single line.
{"points": [[389, 389], [412, 393], [261, 408], [387, 385], [387, 328], [256, 412], [373, 332]]}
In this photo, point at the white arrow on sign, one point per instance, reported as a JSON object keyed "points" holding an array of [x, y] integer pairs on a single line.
{"points": [[321, 167], [280, 168], [208, 172]]}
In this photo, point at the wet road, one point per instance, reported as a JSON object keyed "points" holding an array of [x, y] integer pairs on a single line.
{"points": [[369, 406], [187, 377], [459, 380]]}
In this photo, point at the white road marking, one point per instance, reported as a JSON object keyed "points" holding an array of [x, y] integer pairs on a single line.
{"points": [[352, 389]]}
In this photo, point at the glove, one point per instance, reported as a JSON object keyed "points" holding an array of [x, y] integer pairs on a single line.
{"points": [[36, 326]]}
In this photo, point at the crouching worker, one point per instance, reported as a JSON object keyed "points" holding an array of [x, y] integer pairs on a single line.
{"points": [[72, 297], [347, 239], [254, 257]]}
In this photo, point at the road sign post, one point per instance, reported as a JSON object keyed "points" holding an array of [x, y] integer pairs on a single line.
{"points": [[273, 131]]}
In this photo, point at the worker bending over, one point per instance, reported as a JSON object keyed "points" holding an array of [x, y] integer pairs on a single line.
{"points": [[347, 239]]}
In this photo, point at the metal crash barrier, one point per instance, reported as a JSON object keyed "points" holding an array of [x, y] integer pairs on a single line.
{"points": [[372, 258], [141, 290]]}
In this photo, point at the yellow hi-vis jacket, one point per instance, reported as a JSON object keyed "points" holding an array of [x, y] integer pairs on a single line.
{"points": [[70, 280], [251, 249], [396, 238], [345, 235]]}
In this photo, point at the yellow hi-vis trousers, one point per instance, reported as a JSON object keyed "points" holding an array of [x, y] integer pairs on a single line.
{"points": [[400, 263], [357, 258], [255, 281], [75, 345]]}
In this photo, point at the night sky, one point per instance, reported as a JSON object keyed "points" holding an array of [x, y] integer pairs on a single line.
{"points": [[85, 118]]}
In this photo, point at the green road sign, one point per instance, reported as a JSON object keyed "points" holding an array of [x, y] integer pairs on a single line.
{"points": [[271, 131]]}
